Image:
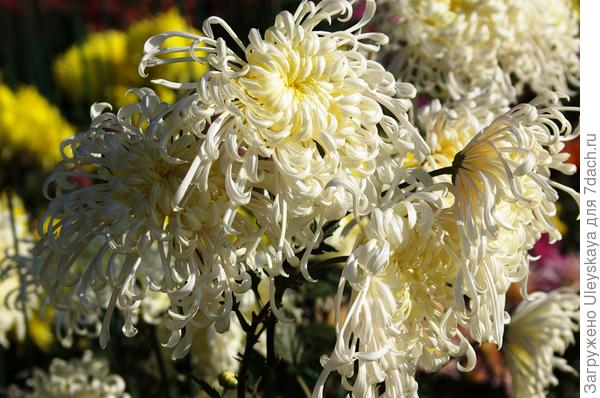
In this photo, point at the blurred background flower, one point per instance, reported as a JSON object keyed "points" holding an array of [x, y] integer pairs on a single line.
{"points": [[105, 65], [31, 126], [87, 377]]}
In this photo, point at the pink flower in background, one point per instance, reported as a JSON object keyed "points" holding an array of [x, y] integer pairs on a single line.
{"points": [[422, 101], [359, 10], [553, 269]]}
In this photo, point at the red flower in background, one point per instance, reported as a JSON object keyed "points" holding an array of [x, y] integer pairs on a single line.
{"points": [[553, 269], [572, 147]]}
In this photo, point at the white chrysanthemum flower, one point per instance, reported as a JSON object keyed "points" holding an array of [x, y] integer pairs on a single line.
{"points": [[540, 330], [501, 258], [447, 48], [504, 199], [501, 161], [449, 127], [87, 377], [303, 110], [129, 208], [402, 313]]}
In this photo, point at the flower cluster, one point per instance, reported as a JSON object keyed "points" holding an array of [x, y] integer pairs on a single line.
{"points": [[87, 377], [449, 259], [239, 183], [447, 48], [239, 175]]}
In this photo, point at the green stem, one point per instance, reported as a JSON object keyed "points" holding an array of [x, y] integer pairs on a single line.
{"points": [[252, 335], [267, 319], [161, 364]]}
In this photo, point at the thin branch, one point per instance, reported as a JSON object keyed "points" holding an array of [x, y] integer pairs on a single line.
{"points": [[266, 320], [241, 319], [252, 335], [161, 364]]}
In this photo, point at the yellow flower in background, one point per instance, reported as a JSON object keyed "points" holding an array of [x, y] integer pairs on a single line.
{"points": [[40, 330], [562, 227], [7, 104], [31, 124], [91, 69], [104, 66]]}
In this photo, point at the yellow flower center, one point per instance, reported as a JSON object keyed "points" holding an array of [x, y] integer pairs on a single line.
{"points": [[292, 85]]}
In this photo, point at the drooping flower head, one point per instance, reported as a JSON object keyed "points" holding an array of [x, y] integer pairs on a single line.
{"points": [[306, 110], [402, 312], [448, 48], [540, 331], [511, 160], [141, 240], [497, 227], [504, 199]]}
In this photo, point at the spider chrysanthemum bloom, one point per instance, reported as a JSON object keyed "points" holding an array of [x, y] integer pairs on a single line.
{"points": [[306, 107], [402, 313], [504, 199], [87, 377], [143, 242], [541, 329], [447, 48], [511, 159], [500, 254]]}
